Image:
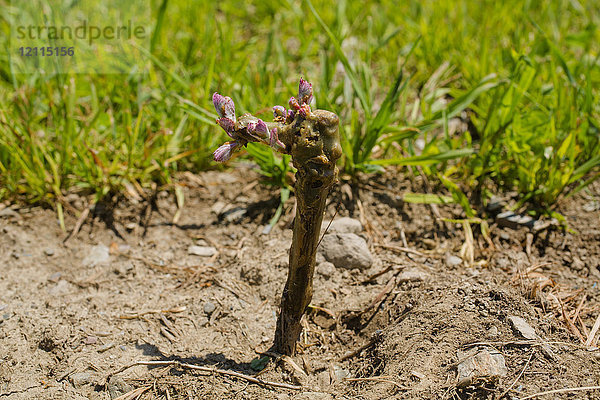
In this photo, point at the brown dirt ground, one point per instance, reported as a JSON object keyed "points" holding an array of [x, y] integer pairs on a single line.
{"points": [[66, 327]]}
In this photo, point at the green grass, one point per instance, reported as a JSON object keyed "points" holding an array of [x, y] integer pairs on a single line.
{"points": [[525, 74]]}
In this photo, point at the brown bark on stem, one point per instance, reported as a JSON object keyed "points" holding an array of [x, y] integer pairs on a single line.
{"points": [[314, 145]]}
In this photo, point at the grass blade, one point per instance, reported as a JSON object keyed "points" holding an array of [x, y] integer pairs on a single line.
{"points": [[427, 159]]}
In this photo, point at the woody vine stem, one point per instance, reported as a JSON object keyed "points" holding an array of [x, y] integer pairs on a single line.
{"points": [[312, 139]]}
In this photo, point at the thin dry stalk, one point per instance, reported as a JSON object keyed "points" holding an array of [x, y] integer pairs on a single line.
{"points": [[212, 371], [593, 332], [78, 224], [134, 393], [565, 390]]}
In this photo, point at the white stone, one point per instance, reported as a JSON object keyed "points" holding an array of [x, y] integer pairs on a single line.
{"points": [[346, 250], [202, 251], [99, 254]]}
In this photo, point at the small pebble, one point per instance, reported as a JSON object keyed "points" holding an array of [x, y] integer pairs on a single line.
{"points": [[202, 251], [8, 212], [452, 260], [484, 364], [49, 252], [326, 269], [209, 307], [346, 250], [80, 379], [514, 221], [118, 387], [412, 275], [340, 373], [91, 340], [97, 255], [429, 243], [105, 347]]}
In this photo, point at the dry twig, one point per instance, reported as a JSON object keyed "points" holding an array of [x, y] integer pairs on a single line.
{"points": [[565, 390], [592, 335], [358, 350], [211, 370], [403, 250], [142, 313], [134, 393], [78, 224]]}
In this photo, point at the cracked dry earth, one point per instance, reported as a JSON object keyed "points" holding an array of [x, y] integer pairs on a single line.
{"points": [[418, 323]]}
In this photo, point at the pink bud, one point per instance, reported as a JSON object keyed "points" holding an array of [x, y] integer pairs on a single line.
{"points": [[304, 110], [305, 92], [293, 102], [279, 111], [224, 152], [224, 106], [261, 129], [290, 116]]}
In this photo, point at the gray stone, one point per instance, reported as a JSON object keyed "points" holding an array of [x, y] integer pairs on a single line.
{"points": [[209, 307], [326, 269], [493, 331], [202, 251], [217, 207], [233, 214], [324, 379], [452, 260], [106, 347], [521, 326], [343, 225], [514, 221], [412, 275], [340, 373], [592, 206], [49, 252], [90, 340], [80, 379], [484, 365], [346, 250], [8, 212], [97, 255], [527, 331], [495, 205], [118, 387], [62, 287], [55, 277]]}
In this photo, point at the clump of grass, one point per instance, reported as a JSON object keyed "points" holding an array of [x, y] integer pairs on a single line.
{"points": [[523, 75]]}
